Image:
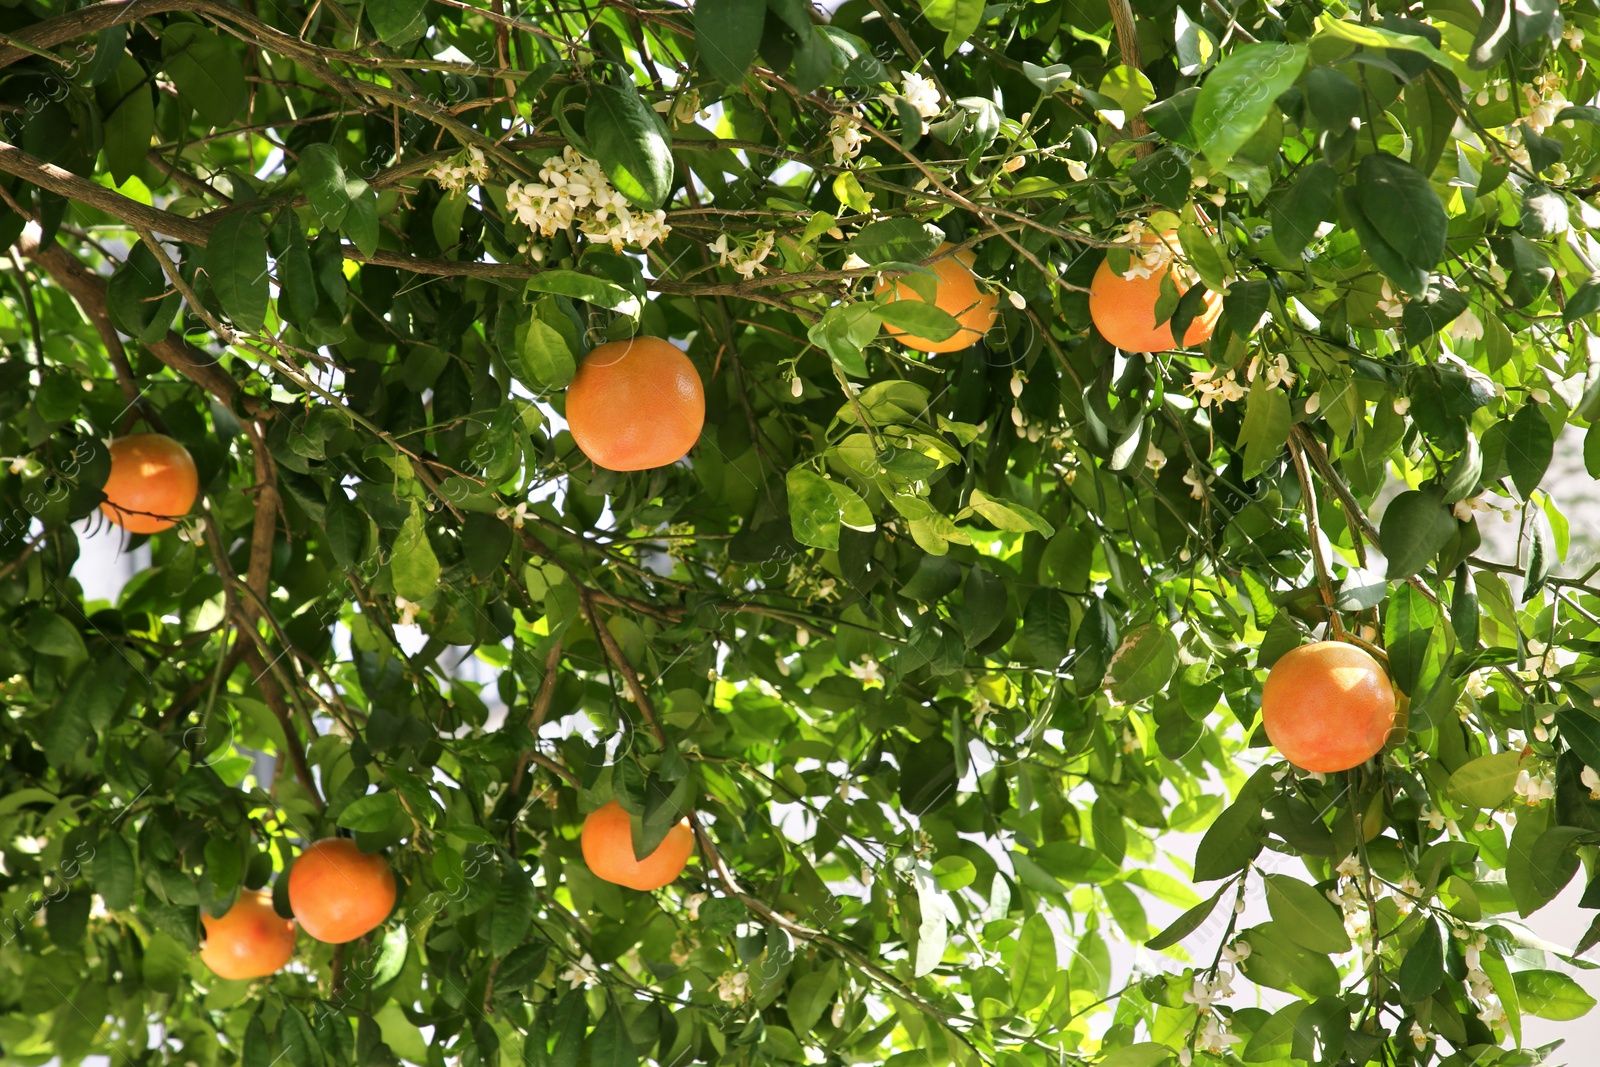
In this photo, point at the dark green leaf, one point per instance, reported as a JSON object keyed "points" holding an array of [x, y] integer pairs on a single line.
{"points": [[630, 143]]}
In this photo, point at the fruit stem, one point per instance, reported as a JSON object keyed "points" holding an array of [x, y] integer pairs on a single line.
{"points": [[1308, 498]]}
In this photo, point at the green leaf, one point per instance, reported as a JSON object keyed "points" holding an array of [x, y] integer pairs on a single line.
{"points": [[597, 291], [361, 219], [1422, 968], [1370, 36], [896, 241], [1033, 965], [1400, 203], [1188, 922], [112, 871], [727, 33], [52, 635], [1551, 995], [954, 872], [1408, 628], [1305, 915], [322, 177], [1140, 1054], [1265, 431], [299, 1041], [1530, 445], [1236, 837], [1144, 662], [1487, 782], [129, 118], [1240, 92], [1277, 960], [236, 266], [630, 143], [1584, 301], [372, 812], [545, 360], [810, 996], [1416, 525], [513, 911], [1581, 731], [958, 18], [842, 332], [207, 73], [398, 22], [918, 318], [1406, 276], [984, 601], [133, 297], [1298, 211], [1006, 515], [814, 511], [414, 568], [1047, 626]]}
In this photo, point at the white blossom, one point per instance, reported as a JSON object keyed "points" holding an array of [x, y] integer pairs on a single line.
{"points": [[1215, 386], [1389, 303], [1420, 1036], [408, 611], [747, 261], [683, 109], [845, 137], [733, 987], [1535, 788], [1197, 483], [1275, 370], [1155, 459], [455, 174], [573, 190], [518, 515], [1467, 327], [1077, 171], [582, 973], [922, 95], [867, 671]]}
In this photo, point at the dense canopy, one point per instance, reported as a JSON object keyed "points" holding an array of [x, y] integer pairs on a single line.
{"points": [[947, 637]]}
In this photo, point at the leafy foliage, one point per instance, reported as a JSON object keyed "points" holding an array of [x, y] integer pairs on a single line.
{"points": [[943, 655]]}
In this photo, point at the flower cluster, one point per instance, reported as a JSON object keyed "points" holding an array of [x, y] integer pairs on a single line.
{"points": [[1536, 787], [1474, 942], [733, 987], [1541, 665], [1213, 1036], [683, 109], [922, 95], [746, 259], [1215, 386], [573, 189], [845, 138], [1274, 369], [455, 174]]}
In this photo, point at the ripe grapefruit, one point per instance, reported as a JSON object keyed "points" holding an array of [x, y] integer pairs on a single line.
{"points": [[1123, 306], [955, 293], [339, 892], [608, 850], [637, 404], [250, 940], [152, 485], [1328, 706]]}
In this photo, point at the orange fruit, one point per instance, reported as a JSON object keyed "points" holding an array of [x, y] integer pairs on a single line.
{"points": [[1124, 308], [152, 485], [1328, 706], [608, 850], [955, 293], [250, 941], [339, 892], [637, 404]]}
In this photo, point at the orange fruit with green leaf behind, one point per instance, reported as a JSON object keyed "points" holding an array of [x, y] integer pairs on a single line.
{"points": [[1329, 706], [250, 940], [635, 405], [1123, 306], [153, 483], [338, 893], [607, 842], [956, 293]]}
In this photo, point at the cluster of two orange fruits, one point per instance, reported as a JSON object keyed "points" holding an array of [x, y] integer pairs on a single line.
{"points": [[336, 892]]}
